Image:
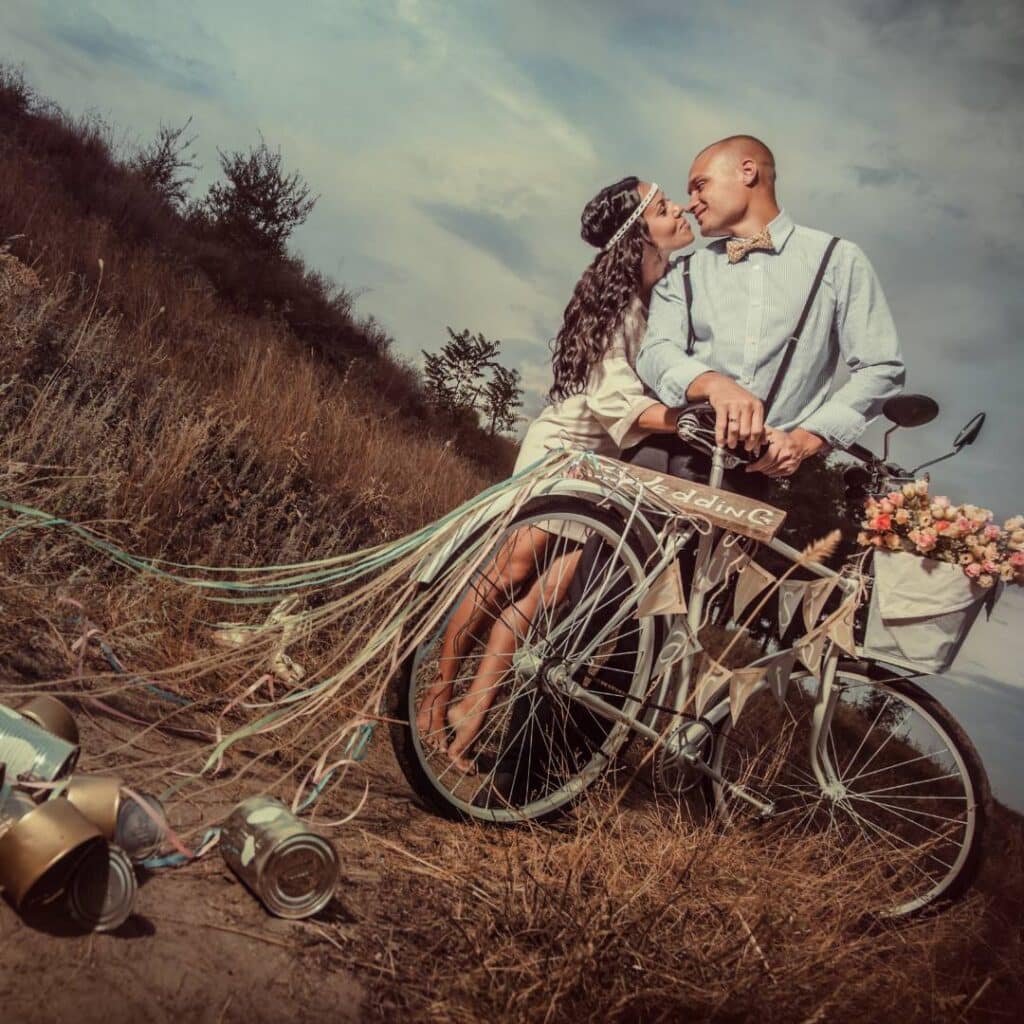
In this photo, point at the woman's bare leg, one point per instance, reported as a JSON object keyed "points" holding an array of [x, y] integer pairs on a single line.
{"points": [[516, 562], [467, 716]]}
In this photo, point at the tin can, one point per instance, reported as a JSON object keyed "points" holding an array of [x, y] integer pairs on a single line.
{"points": [[53, 716], [140, 832], [291, 870], [31, 752], [101, 798], [40, 850], [101, 893]]}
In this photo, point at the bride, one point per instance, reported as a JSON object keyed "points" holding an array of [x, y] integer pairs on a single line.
{"points": [[598, 404]]}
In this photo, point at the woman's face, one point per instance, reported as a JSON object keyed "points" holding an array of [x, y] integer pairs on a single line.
{"points": [[665, 221]]}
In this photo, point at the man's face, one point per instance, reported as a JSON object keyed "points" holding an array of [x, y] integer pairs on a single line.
{"points": [[718, 196]]}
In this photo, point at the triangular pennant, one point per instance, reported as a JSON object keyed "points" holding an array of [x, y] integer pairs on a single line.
{"points": [[727, 557], [777, 673], [840, 630], [665, 594], [752, 580], [713, 680], [742, 684], [814, 600], [791, 594], [809, 648]]}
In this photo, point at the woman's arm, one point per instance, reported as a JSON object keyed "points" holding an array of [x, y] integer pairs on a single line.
{"points": [[658, 418]]}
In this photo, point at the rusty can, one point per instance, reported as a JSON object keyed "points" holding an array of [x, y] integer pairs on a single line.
{"points": [[41, 848], [291, 870], [53, 716], [101, 893], [31, 752]]}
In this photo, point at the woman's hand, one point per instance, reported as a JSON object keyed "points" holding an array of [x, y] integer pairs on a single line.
{"points": [[786, 450]]}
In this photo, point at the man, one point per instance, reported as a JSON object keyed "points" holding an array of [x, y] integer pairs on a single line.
{"points": [[749, 288]]}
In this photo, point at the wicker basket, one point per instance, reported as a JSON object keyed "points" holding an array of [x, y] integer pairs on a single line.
{"points": [[921, 610]]}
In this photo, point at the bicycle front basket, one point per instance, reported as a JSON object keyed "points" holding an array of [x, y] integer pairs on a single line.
{"points": [[921, 610]]}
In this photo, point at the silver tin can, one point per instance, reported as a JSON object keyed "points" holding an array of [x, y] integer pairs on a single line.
{"points": [[138, 832], [101, 893], [31, 752], [291, 870]]}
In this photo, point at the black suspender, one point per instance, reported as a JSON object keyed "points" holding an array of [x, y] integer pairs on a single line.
{"points": [[787, 356], [691, 334]]}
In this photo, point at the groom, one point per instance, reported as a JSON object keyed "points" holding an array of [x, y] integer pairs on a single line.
{"points": [[722, 319]]}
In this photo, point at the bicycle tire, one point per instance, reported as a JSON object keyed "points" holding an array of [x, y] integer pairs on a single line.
{"points": [[882, 803], [416, 762]]}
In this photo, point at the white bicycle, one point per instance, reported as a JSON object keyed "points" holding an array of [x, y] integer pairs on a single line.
{"points": [[857, 750]]}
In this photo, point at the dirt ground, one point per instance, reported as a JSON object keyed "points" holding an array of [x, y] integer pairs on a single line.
{"points": [[199, 947]]}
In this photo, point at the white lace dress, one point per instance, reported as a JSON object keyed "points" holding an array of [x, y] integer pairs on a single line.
{"points": [[602, 418]]}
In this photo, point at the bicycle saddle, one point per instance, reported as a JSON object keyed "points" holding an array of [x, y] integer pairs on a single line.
{"points": [[696, 426]]}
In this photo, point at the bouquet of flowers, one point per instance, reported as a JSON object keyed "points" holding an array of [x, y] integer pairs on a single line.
{"points": [[965, 535]]}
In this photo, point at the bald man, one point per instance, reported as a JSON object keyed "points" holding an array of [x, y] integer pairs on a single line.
{"points": [[725, 339]]}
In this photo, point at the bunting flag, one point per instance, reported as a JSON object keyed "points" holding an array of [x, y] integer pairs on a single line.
{"points": [[840, 630], [752, 580], [665, 594], [808, 649], [818, 592], [728, 557], [791, 594], [713, 680], [777, 673], [742, 684]]}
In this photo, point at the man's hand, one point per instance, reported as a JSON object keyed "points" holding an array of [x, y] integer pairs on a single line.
{"points": [[786, 451], [739, 415]]}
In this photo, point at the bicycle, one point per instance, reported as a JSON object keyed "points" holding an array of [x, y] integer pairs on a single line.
{"points": [[856, 749]]}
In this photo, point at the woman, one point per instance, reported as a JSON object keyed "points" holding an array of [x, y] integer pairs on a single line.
{"points": [[598, 404]]}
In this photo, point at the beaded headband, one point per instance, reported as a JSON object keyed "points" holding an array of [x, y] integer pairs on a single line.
{"points": [[634, 216]]}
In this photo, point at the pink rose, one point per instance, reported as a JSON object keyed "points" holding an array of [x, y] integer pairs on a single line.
{"points": [[881, 522], [1017, 559], [973, 570], [926, 542], [887, 506], [896, 498], [990, 567], [941, 524], [992, 532], [964, 525]]}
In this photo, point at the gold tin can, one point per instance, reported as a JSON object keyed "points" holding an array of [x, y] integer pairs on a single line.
{"points": [[41, 850], [101, 893], [53, 716], [291, 870], [98, 797], [31, 752]]}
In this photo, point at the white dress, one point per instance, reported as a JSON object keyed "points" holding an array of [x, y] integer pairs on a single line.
{"points": [[602, 418]]}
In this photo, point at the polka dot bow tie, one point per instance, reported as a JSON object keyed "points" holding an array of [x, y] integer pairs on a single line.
{"points": [[738, 248]]}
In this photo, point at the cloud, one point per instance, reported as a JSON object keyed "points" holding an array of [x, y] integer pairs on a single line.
{"points": [[90, 32], [884, 176], [489, 232]]}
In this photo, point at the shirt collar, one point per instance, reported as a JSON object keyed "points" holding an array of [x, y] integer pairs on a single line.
{"points": [[780, 229]]}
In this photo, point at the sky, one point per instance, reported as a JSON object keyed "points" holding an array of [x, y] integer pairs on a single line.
{"points": [[453, 144]]}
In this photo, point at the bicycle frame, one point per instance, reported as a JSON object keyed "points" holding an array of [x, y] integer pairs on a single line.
{"points": [[675, 671]]}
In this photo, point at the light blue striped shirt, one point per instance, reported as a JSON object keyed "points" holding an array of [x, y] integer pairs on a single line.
{"points": [[744, 314]]}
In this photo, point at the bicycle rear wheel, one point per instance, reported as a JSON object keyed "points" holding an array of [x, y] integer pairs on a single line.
{"points": [[905, 789], [537, 750]]}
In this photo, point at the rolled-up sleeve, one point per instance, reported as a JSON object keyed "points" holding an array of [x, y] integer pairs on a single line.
{"points": [[616, 398], [662, 363], [869, 345]]}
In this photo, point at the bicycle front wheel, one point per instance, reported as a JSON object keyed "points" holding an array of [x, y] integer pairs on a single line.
{"points": [[534, 750], [903, 787]]}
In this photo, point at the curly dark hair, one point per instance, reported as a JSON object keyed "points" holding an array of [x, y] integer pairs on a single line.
{"points": [[605, 290]]}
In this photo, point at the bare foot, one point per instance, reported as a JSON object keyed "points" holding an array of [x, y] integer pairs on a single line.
{"points": [[430, 720], [466, 723]]}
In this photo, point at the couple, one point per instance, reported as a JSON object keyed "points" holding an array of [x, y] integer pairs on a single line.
{"points": [[645, 335]]}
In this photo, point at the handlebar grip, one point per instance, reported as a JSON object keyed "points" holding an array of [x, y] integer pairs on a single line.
{"points": [[858, 451]]}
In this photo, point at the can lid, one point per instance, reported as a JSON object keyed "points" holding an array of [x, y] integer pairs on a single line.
{"points": [[300, 876], [140, 833], [102, 892]]}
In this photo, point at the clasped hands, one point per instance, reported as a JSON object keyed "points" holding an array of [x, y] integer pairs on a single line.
{"points": [[739, 420]]}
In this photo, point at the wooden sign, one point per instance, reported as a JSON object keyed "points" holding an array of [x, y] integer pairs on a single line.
{"points": [[724, 509]]}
